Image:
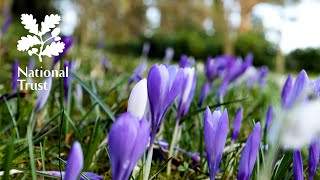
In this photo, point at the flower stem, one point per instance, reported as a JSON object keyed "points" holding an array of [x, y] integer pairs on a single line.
{"points": [[172, 145], [146, 172]]}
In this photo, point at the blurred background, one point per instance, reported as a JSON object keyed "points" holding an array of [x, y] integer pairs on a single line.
{"points": [[282, 34]]}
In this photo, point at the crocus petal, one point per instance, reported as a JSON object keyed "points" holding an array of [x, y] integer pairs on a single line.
{"points": [[128, 139], [314, 151], [315, 85], [298, 91], [43, 95], [136, 76], [249, 153], [183, 61], [74, 162], [15, 75], [237, 124], [268, 118], [31, 64], [286, 90], [145, 49], [5, 25], [138, 99], [66, 80], [168, 55], [204, 92], [187, 91], [297, 165], [68, 41]]}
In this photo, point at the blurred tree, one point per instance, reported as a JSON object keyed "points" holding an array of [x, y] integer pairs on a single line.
{"points": [[221, 25], [115, 20], [247, 7], [178, 15]]}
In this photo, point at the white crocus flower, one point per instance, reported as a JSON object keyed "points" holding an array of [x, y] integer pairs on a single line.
{"points": [[189, 75], [138, 99], [296, 127]]}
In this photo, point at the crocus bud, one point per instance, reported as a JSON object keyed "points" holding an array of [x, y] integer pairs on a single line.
{"points": [[286, 91], [268, 118], [128, 139], [15, 75], [237, 124], [43, 95], [297, 165], [215, 135], [66, 80], [249, 153], [315, 85], [187, 91], [138, 99], [74, 166], [106, 64], [314, 151], [68, 41], [204, 92], [145, 49], [136, 76], [5, 25], [74, 162], [297, 92], [210, 69], [185, 61], [164, 85], [168, 55]]}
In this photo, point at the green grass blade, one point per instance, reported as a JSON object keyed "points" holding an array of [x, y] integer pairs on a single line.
{"points": [[94, 95]]}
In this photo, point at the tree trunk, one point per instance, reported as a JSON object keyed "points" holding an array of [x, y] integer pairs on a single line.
{"points": [[221, 25], [246, 11]]}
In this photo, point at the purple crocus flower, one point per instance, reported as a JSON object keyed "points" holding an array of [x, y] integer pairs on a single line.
{"points": [[15, 75], [204, 92], [291, 94], [187, 91], [67, 40], [237, 124], [106, 64], [31, 64], [314, 151], [136, 76], [43, 95], [164, 84], [315, 85], [297, 165], [74, 166], [249, 153], [67, 80], [5, 25], [145, 49], [259, 76], [185, 61], [215, 135], [168, 55], [268, 118], [233, 70], [128, 139]]}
